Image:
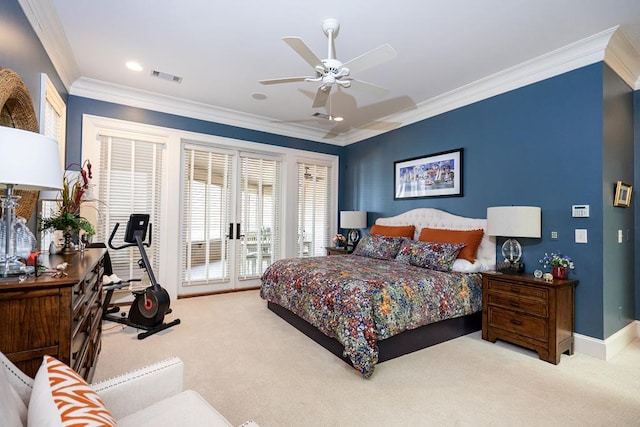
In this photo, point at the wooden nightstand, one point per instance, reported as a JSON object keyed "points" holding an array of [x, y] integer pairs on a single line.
{"points": [[529, 312], [337, 251]]}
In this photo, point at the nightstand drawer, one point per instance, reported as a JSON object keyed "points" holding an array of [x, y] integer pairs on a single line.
{"points": [[529, 306], [524, 325], [517, 289]]}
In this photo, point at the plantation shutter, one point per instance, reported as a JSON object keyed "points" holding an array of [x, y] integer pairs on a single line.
{"points": [[130, 181], [314, 181]]}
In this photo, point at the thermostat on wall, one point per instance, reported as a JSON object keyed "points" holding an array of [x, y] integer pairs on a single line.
{"points": [[580, 211]]}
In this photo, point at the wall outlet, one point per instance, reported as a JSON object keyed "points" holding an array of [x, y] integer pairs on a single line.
{"points": [[554, 234]]}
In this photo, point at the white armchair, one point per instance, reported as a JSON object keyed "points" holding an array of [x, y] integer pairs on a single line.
{"points": [[150, 396]]}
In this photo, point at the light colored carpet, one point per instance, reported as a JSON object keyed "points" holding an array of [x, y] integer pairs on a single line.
{"points": [[249, 363]]}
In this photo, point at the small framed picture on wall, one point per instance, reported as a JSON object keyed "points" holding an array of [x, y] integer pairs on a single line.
{"points": [[623, 195], [433, 175]]}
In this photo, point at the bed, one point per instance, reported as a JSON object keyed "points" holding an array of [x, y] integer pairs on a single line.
{"points": [[394, 295]]}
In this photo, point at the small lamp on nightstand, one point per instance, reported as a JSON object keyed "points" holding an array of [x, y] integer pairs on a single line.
{"points": [[353, 220], [510, 222]]}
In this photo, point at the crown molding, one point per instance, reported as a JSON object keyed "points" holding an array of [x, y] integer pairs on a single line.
{"points": [[573, 56], [123, 95], [44, 21], [622, 56]]}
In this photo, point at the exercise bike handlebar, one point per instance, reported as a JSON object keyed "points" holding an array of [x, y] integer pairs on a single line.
{"points": [[126, 245]]}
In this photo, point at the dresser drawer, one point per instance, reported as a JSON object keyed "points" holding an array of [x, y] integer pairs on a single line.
{"points": [[517, 289], [513, 302], [532, 327]]}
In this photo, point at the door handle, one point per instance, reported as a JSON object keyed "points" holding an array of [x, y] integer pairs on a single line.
{"points": [[230, 235], [238, 234]]}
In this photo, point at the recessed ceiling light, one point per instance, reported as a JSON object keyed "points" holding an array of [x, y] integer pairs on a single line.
{"points": [[337, 119], [259, 96], [134, 66]]}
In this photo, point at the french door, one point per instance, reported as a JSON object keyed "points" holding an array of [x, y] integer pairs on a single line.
{"points": [[230, 216]]}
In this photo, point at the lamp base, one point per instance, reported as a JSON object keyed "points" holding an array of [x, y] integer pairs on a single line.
{"points": [[15, 268], [510, 267]]}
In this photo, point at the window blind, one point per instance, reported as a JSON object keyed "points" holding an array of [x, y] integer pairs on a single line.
{"points": [[314, 182], [206, 193], [259, 212], [130, 181]]}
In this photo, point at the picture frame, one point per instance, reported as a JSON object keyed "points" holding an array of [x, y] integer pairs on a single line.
{"points": [[622, 196], [432, 175]]}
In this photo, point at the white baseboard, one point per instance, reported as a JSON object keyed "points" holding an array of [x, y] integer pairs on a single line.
{"points": [[607, 349]]}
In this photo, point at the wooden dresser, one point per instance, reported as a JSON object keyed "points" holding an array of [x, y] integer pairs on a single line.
{"points": [[61, 317], [529, 312]]}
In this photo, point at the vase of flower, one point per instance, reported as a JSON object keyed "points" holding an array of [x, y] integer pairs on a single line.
{"points": [[560, 272], [67, 218], [559, 263]]}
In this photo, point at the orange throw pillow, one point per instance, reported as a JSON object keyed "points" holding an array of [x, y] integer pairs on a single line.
{"points": [[471, 238], [393, 231]]}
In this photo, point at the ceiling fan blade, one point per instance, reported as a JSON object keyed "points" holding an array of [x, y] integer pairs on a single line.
{"points": [[303, 50], [322, 95], [283, 80], [374, 90], [370, 59]]}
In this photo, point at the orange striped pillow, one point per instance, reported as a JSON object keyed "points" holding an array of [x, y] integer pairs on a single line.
{"points": [[60, 397]]}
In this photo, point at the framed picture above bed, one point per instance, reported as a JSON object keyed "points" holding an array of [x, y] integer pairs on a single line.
{"points": [[433, 175]]}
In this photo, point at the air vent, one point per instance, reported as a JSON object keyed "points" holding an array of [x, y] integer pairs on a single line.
{"points": [[166, 76]]}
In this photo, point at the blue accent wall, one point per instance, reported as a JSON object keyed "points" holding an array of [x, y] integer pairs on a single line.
{"points": [[539, 145]]}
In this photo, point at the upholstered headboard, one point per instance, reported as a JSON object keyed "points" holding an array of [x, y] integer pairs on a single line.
{"points": [[436, 218]]}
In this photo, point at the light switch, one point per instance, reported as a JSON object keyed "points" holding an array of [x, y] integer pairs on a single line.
{"points": [[581, 235], [619, 236]]}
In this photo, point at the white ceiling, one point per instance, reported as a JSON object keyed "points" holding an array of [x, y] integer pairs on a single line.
{"points": [[449, 53]]}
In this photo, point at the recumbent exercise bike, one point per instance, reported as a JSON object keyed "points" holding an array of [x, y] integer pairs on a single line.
{"points": [[149, 305]]}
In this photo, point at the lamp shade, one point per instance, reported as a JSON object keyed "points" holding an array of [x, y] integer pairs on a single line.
{"points": [[353, 219], [514, 221], [28, 160]]}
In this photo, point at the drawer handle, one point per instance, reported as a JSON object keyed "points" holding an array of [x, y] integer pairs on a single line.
{"points": [[515, 290], [516, 322], [514, 304]]}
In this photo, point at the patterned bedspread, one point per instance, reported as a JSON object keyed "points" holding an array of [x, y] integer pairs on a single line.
{"points": [[360, 300]]}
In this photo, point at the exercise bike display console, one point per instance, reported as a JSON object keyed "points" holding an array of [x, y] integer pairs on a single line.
{"points": [[151, 304]]}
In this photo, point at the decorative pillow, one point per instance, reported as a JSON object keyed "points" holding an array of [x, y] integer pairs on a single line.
{"points": [[393, 231], [60, 397], [380, 247], [432, 255], [463, 266], [471, 238]]}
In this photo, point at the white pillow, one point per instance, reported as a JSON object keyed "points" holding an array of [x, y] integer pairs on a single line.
{"points": [[463, 266], [60, 397]]}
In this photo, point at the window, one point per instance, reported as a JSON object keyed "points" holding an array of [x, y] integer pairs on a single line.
{"points": [[53, 119], [313, 209], [130, 174]]}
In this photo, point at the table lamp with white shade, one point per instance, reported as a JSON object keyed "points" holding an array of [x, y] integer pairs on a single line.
{"points": [[353, 220], [28, 161], [510, 222]]}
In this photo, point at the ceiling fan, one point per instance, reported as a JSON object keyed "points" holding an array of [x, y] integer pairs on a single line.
{"points": [[330, 71]]}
